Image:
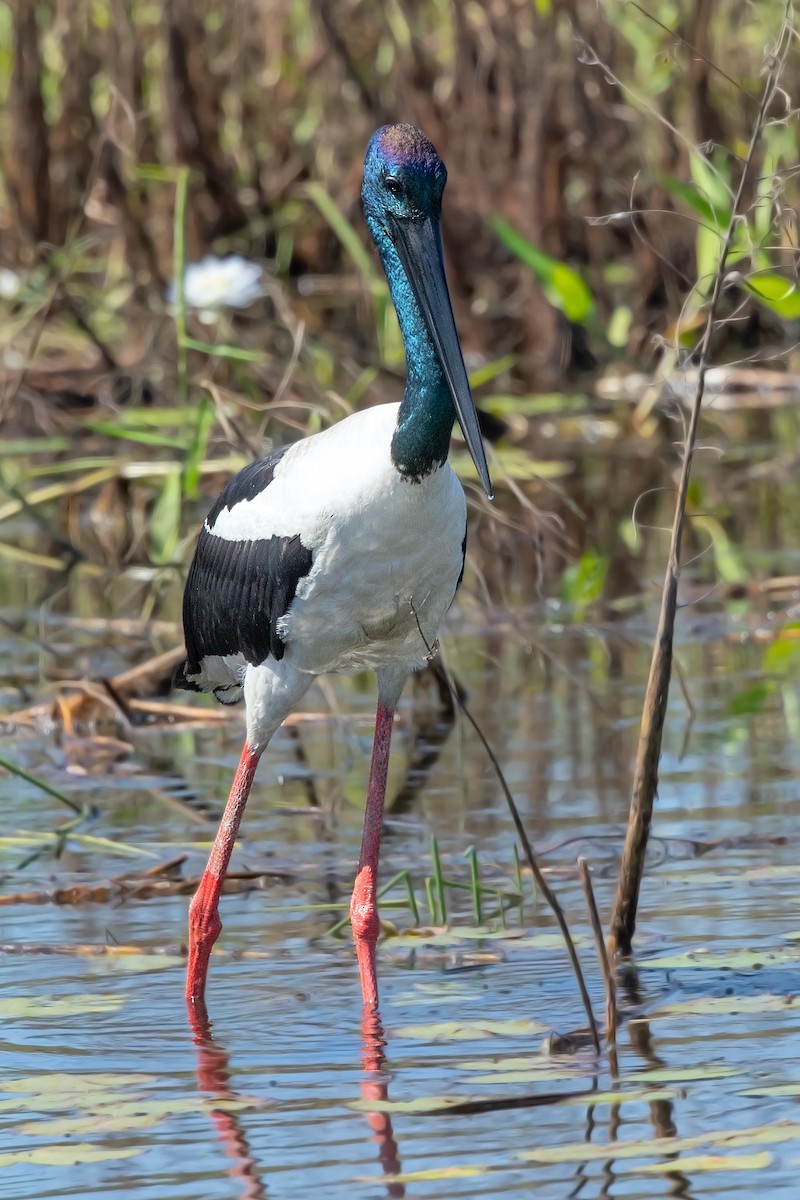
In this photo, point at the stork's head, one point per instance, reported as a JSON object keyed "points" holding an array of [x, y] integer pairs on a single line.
{"points": [[404, 177]]}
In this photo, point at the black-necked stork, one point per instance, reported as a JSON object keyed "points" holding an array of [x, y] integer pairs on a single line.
{"points": [[343, 551]]}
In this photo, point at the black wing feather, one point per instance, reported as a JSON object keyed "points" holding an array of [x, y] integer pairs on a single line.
{"points": [[237, 591]]}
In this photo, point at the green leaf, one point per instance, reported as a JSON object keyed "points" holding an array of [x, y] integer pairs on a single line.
{"points": [[220, 350], [564, 287], [776, 293], [751, 700], [784, 652], [708, 249], [619, 326], [691, 197], [147, 437], [712, 185], [165, 520], [347, 236], [583, 581], [729, 562], [516, 463], [491, 370], [203, 424]]}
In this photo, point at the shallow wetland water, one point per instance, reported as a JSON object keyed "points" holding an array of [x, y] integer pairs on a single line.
{"points": [[107, 1094]]}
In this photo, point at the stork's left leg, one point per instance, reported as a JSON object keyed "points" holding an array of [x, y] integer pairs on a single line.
{"points": [[363, 904]]}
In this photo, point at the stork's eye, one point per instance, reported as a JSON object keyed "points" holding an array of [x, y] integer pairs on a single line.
{"points": [[393, 185]]}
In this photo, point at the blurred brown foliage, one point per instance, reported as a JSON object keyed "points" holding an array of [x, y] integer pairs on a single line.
{"points": [[538, 109]]}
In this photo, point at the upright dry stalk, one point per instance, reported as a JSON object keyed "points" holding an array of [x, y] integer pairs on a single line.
{"points": [[645, 778]]}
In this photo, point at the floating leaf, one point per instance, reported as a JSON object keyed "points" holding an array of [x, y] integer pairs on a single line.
{"points": [[423, 1104], [77, 1098], [684, 1074], [575, 1152], [726, 1005], [60, 1082], [704, 1162], [431, 1174], [734, 960], [635, 1096], [776, 1089], [527, 1063], [68, 1155], [138, 962], [107, 1113], [51, 1006], [456, 1031], [545, 1075]]}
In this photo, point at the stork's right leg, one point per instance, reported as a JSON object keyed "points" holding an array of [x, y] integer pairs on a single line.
{"points": [[204, 922], [271, 692]]}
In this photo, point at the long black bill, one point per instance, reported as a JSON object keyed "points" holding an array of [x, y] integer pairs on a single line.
{"points": [[419, 245]]}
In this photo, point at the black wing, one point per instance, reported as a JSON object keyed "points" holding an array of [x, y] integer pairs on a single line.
{"points": [[237, 591]]}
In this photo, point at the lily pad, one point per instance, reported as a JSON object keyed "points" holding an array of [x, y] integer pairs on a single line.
{"points": [[574, 1152], [68, 1155], [735, 960], [62, 1082], [132, 964], [28, 1007], [633, 1096], [704, 1162], [685, 1074], [726, 1005], [422, 1104], [457, 1031], [111, 1115], [775, 1089], [433, 1174]]}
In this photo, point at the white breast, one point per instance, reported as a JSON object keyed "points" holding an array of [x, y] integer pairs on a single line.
{"points": [[387, 552]]}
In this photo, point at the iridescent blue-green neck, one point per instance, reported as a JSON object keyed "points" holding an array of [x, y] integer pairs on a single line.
{"points": [[425, 421]]}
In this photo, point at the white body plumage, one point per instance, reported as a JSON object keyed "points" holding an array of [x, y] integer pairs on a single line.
{"points": [[383, 558]]}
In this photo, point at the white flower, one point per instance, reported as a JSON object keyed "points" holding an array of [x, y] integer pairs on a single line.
{"points": [[214, 283], [10, 283]]}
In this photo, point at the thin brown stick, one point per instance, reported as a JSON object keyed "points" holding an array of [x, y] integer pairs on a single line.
{"points": [[541, 882], [645, 778], [605, 966]]}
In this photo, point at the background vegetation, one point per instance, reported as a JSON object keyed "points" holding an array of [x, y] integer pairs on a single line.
{"points": [[592, 152]]}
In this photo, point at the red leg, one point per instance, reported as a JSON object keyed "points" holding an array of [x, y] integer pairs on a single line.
{"points": [[204, 922], [363, 905]]}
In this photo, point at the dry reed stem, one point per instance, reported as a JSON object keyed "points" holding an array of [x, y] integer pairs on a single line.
{"points": [[605, 966], [645, 778]]}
